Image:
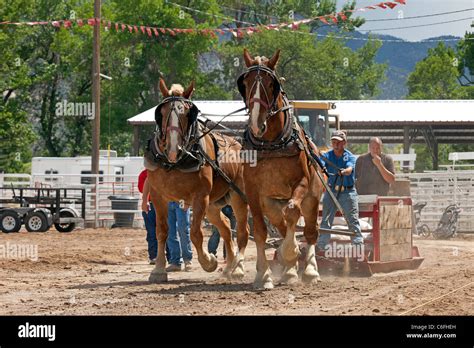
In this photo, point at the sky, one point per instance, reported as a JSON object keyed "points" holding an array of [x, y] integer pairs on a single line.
{"points": [[417, 8]]}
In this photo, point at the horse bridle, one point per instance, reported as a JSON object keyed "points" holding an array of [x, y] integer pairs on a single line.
{"points": [[258, 81], [163, 131]]}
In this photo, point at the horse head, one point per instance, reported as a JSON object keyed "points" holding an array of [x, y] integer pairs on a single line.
{"points": [[174, 117], [260, 88]]}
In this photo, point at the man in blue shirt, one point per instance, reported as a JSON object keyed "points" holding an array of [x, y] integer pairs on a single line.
{"points": [[345, 161]]}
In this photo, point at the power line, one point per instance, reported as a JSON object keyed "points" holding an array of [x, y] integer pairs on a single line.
{"points": [[421, 16], [418, 26]]}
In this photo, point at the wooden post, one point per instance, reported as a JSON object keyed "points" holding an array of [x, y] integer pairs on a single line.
{"points": [[136, 140], [406, 146], [435, 154], [96, 100], [96, 90]]}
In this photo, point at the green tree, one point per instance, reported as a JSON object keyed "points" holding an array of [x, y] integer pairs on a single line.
{"points": [[435, 77]]}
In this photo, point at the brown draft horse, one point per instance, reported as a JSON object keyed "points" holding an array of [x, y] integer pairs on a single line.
{"points": [[283, 185], [206, 192]]}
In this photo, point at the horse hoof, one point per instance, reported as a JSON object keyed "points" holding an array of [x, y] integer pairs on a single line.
{"points": [[290, 277], [267, 285], [310, 279], [265, 282], [239, 273], [157, 278], [211, 265]]}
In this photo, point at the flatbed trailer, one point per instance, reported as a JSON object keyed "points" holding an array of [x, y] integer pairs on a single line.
{"points": [[39, 208]]}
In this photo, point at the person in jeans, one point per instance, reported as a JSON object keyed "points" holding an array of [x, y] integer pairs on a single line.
{"points": [[149, 217], [179, 241], [213, 242], [345, 161]]}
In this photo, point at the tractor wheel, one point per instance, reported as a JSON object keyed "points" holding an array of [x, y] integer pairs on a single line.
{"points": [[36, 222], [10, 221]]}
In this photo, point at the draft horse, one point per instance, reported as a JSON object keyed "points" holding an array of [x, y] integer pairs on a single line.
{"points": [[283, 185], [181, 162]]}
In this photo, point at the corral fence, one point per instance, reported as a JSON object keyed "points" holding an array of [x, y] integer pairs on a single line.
{"points": [[440, 189]]}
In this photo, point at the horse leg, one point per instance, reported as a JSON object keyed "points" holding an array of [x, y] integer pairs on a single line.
{"points": [[263, 277], [158, 274], [240, 209], [289, 251], [310, 210], [222, 223], [200, 205]]}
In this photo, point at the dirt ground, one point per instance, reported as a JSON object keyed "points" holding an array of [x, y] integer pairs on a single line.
{"points": [[105, 272]]}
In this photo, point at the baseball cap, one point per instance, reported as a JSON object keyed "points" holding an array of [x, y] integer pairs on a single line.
{"points": [[339, 135]]}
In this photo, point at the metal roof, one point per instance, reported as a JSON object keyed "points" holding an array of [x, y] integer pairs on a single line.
{"points": [[405, 111], [351, 112], [212, 109]]}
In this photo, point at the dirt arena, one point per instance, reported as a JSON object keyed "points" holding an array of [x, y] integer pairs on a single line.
{"points": [[105, 272]]}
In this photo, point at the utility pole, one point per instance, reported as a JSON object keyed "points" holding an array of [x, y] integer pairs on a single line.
{"points": [[96, 90], [96, 101]]}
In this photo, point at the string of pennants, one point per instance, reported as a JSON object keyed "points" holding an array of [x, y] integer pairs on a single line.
{"points": [[329, 19]]}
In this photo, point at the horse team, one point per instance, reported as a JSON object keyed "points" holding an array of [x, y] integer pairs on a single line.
{"points": [[184, 166]]}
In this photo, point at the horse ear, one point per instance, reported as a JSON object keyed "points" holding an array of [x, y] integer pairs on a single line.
{"points": [[274, 60], [189, 91], [248, 60], [164, 90]]}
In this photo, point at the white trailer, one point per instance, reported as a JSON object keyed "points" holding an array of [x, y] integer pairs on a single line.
{"points": [[75, 170]]}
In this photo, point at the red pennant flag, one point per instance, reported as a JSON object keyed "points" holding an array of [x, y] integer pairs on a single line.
{"points": [[220, 31], [130, 28], [171, 32], [294, 26], [136, 29], [403, 2], [123, 27], [391, 4], [334, 19], [163, 30], [148, 30], [322, 19], [382, 5], [91, 21], [67, 24], [371, 7], [156, 32], [56, 24], [342, 16], [109, 25], [80, 22], [142, 28], [178, 31], [190, 31]]}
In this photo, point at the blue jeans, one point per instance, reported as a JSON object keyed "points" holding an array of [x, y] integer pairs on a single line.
{"points": [[349, 201], [150, 225], [215, 238], [178, 224]]}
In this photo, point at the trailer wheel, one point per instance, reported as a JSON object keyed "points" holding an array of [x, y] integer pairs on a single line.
{"points": [[10, 221], [68, 227], [36, 222]]}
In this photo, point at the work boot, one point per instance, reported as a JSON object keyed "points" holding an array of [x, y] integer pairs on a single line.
{"points": [[174, 268], [188, 266]]}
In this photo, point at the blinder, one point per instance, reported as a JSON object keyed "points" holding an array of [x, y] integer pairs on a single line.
{"points": [[192, 115], [258, 68]]}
